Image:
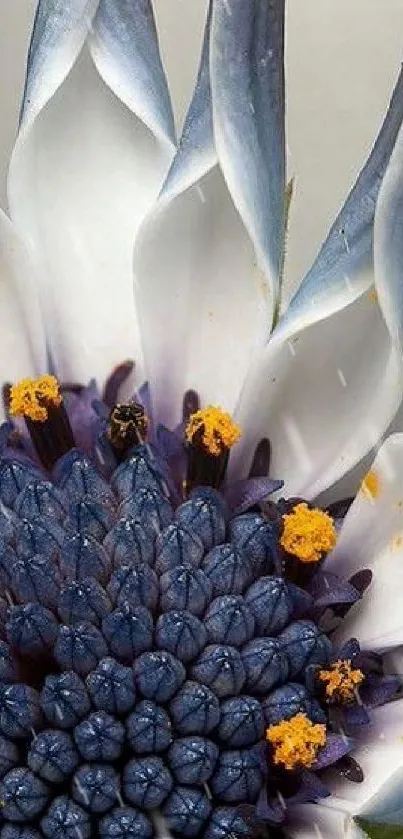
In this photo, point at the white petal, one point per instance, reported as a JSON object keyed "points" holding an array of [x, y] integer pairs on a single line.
{"points": [[23, 351], [317, 821], [207, 259], [372, 537], [86, 168], [330, 380]]}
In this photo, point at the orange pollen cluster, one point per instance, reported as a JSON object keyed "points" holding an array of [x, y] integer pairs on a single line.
{"points": [[216, 428], [341, 681], [308, 534], [32, 398], [296, 742]]}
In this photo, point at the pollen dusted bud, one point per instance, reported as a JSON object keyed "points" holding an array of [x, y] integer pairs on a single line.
{"points": [[210, 434], [128, 426], [40, 403]]}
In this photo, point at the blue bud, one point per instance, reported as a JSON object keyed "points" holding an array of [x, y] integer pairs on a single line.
{"points": [[19, 711], [228, 570], [77, 477], [8, 562], [8, 668], [229, 620], [14, 831], [36, 579], [13, 477], [64, 700], [146, 782], [265, 665], [185, 589], [238, 777], [225, 822], [125, 823], [192, 759], [195, 709], [31, 629], [150, 507], [220, 668], [137, 586], [177, 546], [158, 675], [40, 537], [79, 648], [255, 537], [100, 737], [52, 756], [140, 471], [9, 756], [96, 787], [83, 601], [305, 644], [66, 820], [128, 631], [287, 701], [186, 811], [82, 556], [40, 498], [205, 517], [182, 634], [90, 518], [8, 521], [111, 687], [242, 722], [129, 542], [148, 728], [271, 603], [23, 795]]}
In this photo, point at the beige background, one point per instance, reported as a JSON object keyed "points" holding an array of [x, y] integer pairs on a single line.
{"points": [[343, 57]]}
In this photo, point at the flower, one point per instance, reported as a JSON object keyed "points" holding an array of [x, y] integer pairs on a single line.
{"points": [[150, 581]]}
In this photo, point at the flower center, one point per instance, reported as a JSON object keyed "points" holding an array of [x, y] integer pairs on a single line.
{"points": [[308, 533], [210, 434], [341, 681], [296, 741], [40, 403]]}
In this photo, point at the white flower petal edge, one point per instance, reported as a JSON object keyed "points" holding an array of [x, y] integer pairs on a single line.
{"points": [[207, 259], [372, 537], [23, 350], [95, 142], [379, 752], [330, 380]]}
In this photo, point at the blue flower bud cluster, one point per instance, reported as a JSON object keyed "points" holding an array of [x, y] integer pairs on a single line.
{"points": [[144, 650]]}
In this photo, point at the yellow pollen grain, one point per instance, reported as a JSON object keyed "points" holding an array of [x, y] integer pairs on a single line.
{"points": [[371, 485], [296, 742], [308, 533], [31, 398], [217, 428], [341, 681]]}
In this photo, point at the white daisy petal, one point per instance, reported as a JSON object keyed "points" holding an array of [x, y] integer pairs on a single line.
{"points": [[79, 187], [208, 257], [316, 821], [330, 380], [372, 537]]}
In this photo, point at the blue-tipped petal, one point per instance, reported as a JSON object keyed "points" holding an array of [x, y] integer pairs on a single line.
{"points": [[192, 759], [23, 795], [32, 629], [128, 631], [96, 787], [129, 542], [137, 586], [159, 675], [187, 810], [195, 709], [79, 648], [149, 728], [146, 782], [111, 687], [182, 634], [235, 124], [53, 756], [81, 556], [66, 820], [83, 601], [185, 588], [64, 700], [125, 823], [220, 668]]}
